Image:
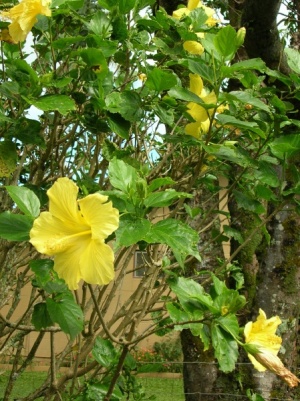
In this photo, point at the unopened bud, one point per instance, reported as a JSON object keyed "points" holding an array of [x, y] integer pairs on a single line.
{"points": [[240, 36]]}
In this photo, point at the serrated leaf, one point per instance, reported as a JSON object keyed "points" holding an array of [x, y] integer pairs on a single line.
{"points": [[131, 231], [25, 199], [95, 59], [233, 233], [293, 59], [61, 103], [189, 291], [225, 42], [46, 278], [160, 80], [127, 103], [166, 115], [118, 125], [247, 98], [177, 92], [246, 202], [160, 182], [15, 227], [166, 198], [234, 154], [66, 313], [285, 146], [122, 176], [104, 352], [180, 237], [126, 5], [226, 119], [225, 348], [40, 316]]}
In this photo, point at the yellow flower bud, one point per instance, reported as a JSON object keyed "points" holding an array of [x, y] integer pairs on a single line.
{"points": [[240, 36]]}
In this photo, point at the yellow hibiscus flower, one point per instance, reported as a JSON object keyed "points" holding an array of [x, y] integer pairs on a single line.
{"points": [[192, 5], [192, 46], [199, 113], [262, 345], [23, 17], [73, 231]]}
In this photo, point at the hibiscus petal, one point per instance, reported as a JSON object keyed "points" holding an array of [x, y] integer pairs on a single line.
{"points": [[63, 203], [196, 84], [97, 263], [67, 264], [192, 4], [99, 215], [15, 31], [50, 235]]}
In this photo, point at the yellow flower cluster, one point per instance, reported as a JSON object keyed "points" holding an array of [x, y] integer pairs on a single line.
{"points": [[192, 46], [73, 231], [23, 17], [262, 345]]}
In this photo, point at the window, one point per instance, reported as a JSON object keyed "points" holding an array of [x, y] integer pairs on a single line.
{"points": [[140, 263]]}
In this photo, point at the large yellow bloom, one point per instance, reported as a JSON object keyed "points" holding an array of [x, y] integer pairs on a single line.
{"points": [[262, 345], [192, 46], [199, 113], [23, 17], [192, 4], [73, 231]]}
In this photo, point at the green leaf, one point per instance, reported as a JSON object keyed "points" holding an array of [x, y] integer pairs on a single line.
{"points": [[285, 146], [248, 203], [97, 392], [252, 64], [118, 125], [200, 68], [225, 42], [293, 59], [100, 25], [160, 80], [225, 348], [46, 278], [189, 292], [131, 231], [247, 98], [122, 176], [64, 311], [126, 5], [40, 316], [264, 173], [234, 154], [62, 103], [177, 92], [178, 315], [165, 114], [230, 323], [95, 59], [25, 199], [104, 352], [127, 103], [166, 198], [15, 227], [233, 233], [181, 238], [226, 119], [160, 182]]}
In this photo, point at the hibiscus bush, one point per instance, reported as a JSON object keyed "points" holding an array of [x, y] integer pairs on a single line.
{"points": [[119, 132]]}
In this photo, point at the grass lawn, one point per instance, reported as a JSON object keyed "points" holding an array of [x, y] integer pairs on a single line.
{"points": [[164, 389]]}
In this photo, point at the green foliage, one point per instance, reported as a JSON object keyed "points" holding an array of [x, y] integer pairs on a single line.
{"points": [[105, 99], [221, 329]]}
